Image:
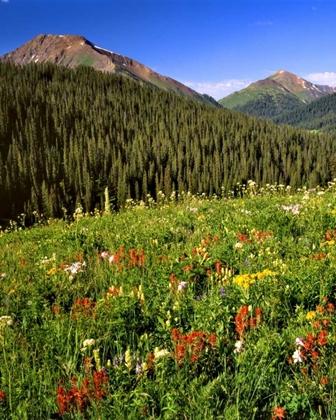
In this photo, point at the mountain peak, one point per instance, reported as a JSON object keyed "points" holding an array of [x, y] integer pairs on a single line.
{"points": [[74, 50], [282, 91], [281, 74], [278, 72]]}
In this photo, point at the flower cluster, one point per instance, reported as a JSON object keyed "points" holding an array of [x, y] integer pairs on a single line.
{"points": [[131, 361], [256, 236], [244, 322], [84, 307], [310, 349], [294, 208], [74, 268], [46, 260], [245, 280], [192, 345], [118, 360], [114, 291], [137, 259], [115, 258], [89, 342], [330, 238], [320, 256], [106, 255], [79, 398], [330, 235]]}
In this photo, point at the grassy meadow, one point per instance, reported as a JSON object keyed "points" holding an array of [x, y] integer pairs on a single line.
{"points": [[220, 308]]}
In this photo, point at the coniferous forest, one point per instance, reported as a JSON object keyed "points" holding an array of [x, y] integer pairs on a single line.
{"points": [[317, 115], [67, 134]]}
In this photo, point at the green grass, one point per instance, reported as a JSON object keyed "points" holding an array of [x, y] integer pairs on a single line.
{"points": [[85, 60], [248, 94], [187, 310]]}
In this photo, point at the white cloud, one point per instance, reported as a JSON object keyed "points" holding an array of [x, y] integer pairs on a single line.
{"points": [[5, 1], [219, 89], [326, 78]]}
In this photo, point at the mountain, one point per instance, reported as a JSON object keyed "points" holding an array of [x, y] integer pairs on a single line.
{"points": [[73, 50], [318, 115], [301, 88], [282, 91]]}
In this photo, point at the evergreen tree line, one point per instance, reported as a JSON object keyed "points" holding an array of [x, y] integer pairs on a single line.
{"points": [[67, 134], [317, 115], [268, 105]]}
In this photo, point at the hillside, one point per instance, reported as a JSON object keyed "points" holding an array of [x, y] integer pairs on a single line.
{"points": [[283, 91], [72, 50], [318, 115], [172, 311], [67, 134]]}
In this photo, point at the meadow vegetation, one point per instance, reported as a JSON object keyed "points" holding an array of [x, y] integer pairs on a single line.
{"points": [[201, 308]]}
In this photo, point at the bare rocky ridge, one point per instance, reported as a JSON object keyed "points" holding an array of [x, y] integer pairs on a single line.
{"points": [[75, 50], [304, 90]]}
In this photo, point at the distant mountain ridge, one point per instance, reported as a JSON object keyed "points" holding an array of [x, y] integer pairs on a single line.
{"points": [[74, 50], [282, 91]]}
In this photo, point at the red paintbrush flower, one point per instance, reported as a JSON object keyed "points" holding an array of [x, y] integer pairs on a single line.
{"points": [[278, 413]]}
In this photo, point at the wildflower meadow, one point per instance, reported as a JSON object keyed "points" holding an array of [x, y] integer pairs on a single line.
{"points": [[196, 308]]}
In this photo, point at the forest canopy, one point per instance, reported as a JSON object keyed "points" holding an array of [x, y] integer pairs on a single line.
{"points": [[67, 134]]}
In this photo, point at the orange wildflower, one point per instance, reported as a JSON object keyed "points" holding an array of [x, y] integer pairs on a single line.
{"points": [[278, 413]]}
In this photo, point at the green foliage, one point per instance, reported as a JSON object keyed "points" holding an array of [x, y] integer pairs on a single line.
{"points": [[202, 308]]}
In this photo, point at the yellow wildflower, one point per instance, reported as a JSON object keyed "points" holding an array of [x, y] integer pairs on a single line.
{"points": [[245, 280], [311, 315], [97, 359], [128, 359]]}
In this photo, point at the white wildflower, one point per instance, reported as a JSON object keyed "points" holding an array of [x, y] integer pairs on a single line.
{"points": [[297, 356], [160, 353], [238, 346], [89, 342], [76, 267], [299, 342]]}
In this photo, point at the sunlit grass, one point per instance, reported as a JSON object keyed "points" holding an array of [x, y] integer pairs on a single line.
{"points": [[197, 308]]}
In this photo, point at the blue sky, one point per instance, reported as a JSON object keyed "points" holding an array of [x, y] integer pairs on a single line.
{"points": [[213, 46]]}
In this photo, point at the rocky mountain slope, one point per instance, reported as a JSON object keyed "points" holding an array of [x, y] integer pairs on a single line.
{"points": [[282, 91], [73, 50]]}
